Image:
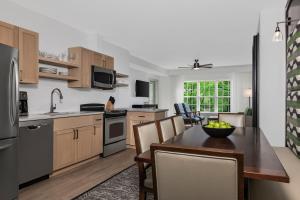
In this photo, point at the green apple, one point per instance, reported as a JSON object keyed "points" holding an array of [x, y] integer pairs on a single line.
{"points": [[216, 125]]}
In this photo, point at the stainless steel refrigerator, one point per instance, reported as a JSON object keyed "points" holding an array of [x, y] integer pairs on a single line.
{"points": [[9, 122]]}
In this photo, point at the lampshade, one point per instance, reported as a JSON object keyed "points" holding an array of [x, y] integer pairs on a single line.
{"points": [[248, 92], [277, 37]]}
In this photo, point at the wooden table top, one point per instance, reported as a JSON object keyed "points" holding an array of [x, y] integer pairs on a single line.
{"points": [[260, 160]]}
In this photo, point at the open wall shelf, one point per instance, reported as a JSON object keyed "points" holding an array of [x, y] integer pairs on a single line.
{"points": [[57, 77], [57, 63]]}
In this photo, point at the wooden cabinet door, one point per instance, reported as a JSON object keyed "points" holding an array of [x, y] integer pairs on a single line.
{"points": [[87, 57], [84, 142], [109, 62], [97, 143], [98, 59], [64, 149], [131, 138], [8, 34], [28, 56]]}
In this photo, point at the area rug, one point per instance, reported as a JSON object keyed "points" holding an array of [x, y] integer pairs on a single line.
{"points": [[122, 186]]}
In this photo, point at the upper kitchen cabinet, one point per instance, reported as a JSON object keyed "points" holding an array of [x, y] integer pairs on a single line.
{"points": [[84, 58], [28, 44], [28, 56], [102, 60], [8, 34]]}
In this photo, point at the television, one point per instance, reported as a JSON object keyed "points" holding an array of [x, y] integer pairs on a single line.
{"points": [[141, 88]]}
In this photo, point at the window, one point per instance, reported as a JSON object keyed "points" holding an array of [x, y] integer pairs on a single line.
{"points": [[153, 91], [208, 96]]}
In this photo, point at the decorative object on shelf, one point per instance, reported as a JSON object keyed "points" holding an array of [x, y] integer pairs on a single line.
{"points": [[293, 90], [278, 36], [49, 70], [63, 73]]}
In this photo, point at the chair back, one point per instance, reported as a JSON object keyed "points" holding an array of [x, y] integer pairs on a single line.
{"points": [[235, 119], [144, 135], [180, 109], [195, 174], [187, 109], [178, 124], [166, 129]]}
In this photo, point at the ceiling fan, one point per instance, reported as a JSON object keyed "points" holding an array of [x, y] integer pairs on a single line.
{"points": [[197, 66]]}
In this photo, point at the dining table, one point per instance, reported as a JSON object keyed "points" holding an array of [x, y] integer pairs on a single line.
{"points": [[260, 160]]}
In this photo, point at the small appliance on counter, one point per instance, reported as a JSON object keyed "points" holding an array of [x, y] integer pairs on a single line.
{"points": [[153, 106], [114, 128], [23, 103]]}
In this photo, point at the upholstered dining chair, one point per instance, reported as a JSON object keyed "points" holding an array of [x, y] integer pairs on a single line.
{"points": [[235, 119], [166, 129], [144, 135], [195, 173], [178, 124]]}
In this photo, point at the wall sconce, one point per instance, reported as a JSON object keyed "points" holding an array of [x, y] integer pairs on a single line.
{"points": [[278, 36]]}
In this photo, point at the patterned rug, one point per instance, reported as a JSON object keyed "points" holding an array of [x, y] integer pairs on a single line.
{"points": [[122, 186]]}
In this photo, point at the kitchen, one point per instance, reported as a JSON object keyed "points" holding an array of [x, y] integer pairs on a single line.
{"points": [[64, 134]]}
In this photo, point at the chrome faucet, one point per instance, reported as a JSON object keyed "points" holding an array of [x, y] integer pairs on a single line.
{"points": [[53, 107]]}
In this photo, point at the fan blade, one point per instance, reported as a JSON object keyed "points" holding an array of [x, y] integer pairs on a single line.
{"points": [[184, 67], [206, 65]]}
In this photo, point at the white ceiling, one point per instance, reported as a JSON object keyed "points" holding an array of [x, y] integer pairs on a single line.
{"points": [[169, 33]]}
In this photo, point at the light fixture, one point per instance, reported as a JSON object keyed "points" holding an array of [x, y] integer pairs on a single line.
{"points": [[278, 36], [248, 93]]}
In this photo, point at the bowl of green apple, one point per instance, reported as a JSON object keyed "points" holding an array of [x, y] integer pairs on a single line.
{"points": [[218, 129]]}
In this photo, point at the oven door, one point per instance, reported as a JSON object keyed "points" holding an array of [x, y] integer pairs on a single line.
{"points": [[115, 130], [103, 78]]}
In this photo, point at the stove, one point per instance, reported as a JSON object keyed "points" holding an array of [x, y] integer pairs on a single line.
{"points": [[114, 128]]}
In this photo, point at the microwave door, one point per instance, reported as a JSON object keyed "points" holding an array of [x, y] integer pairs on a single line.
{"points": [[102, 78]]}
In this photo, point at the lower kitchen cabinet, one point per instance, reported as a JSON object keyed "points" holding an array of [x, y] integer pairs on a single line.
{"points": [[85, 136], [134, 118], [76, 139], [64, 149], [97, 143]]}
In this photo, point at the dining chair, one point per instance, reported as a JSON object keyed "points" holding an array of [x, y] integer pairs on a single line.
{"points": [[235, 119], [193, 174], [193, 114], [144, 135], [166, 129], [178, 123]]}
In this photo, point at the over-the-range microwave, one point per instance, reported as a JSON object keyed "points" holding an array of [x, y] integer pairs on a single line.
{"points": [[103, 78]]}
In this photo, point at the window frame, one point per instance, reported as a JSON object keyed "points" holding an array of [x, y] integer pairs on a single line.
{"points": [[216, 96]]}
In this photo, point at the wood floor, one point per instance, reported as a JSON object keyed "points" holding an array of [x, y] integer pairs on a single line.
{"points": [[72, 183]]}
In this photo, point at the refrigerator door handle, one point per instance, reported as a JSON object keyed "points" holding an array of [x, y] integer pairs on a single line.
{"points": [[14, 81], [5, 146]]}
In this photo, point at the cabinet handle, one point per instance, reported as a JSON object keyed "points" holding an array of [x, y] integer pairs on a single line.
{"points": [[95, 130], [98, 119], [141, 116], [77, 134], [74, 134]]}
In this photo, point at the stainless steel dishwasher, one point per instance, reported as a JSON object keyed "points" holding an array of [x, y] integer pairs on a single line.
{"points": [[35, 147]]}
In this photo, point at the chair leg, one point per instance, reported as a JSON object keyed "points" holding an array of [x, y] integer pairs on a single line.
{"points": [[142, 195]]}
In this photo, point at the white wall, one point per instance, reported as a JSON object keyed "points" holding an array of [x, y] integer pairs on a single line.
{"points": [[272, 77], [171, 88], [56, 37]]}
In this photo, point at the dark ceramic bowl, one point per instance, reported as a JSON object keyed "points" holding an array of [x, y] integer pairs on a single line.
{"points": [[218, 132]]}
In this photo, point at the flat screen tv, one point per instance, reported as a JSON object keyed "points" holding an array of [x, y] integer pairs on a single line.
{"points": [[141, 88]]}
